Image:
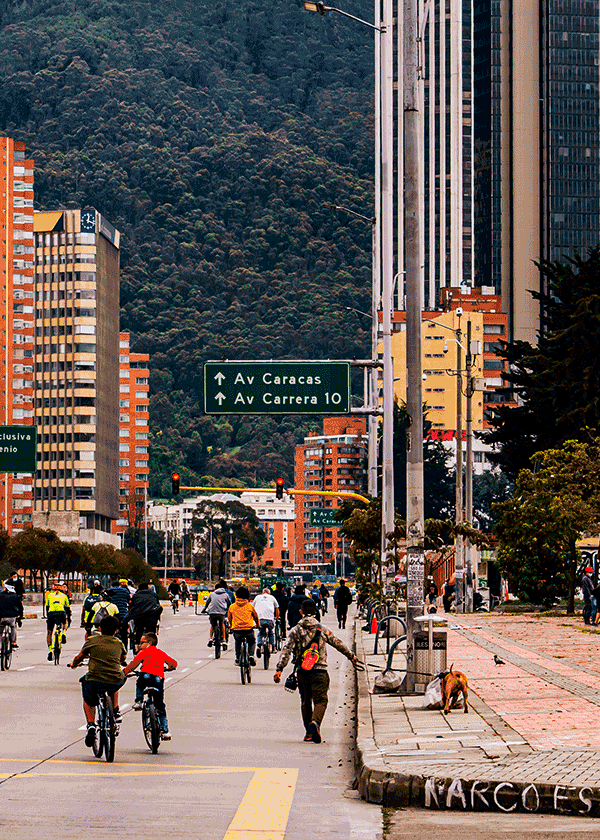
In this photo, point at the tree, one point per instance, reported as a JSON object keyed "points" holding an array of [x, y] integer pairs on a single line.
{"points": [[221, 525], [489, 487], [134, 539], [538, 528], [438, 479], [557, 384]]}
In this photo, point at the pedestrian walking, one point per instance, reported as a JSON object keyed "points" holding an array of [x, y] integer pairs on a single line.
{"points": [[307, 643], [342, 598], [587, 590]]}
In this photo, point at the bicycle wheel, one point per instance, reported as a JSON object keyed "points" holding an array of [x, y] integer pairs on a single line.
{"points": [[7, 650], [57, 644], [266, 652], [3, 653], [248, 671], [217, 642], [152, 731], [98, 745], [243, 662], [110, 732]]}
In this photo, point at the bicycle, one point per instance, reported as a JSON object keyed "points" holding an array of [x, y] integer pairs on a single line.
{"points": [[175, 603], [245, 667], [58, 640], [6, 648], [278, 639], [217, 641], [266, 646], [150, 724], [107, 728]]}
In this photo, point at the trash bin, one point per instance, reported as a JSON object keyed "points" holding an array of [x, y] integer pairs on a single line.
{"points": [[430, 649]]}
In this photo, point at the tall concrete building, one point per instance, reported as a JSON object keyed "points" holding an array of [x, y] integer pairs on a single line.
{"points": [[333, 459], [76, 374], [537, 142], [134, 432], [16, 337]]}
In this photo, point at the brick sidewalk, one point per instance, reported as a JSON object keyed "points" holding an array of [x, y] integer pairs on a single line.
{"points": [[531, 741]]}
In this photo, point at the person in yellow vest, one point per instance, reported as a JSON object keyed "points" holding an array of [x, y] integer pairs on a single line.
{"points": [[58, 611], [243, 618]]}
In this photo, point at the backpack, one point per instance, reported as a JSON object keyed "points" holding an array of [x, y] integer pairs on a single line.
{"points": [[310, 657], [88, 604], [100, 614]]}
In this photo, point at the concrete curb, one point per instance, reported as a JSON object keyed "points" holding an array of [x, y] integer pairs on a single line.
{"points": [[484, 785]]}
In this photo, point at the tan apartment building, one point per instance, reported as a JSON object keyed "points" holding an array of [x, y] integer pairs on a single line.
{"points": [[76, 374], [17, 302], [334, 459], [482, 308], [134, 433]]}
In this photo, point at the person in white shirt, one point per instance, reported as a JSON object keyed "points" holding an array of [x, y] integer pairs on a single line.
{"points": [[267, 610]]}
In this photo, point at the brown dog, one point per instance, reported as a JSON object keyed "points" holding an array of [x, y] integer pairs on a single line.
{"points": [[453, 684]]}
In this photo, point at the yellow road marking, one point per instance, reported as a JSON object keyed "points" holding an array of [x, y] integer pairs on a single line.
{"points": [[262, 814], [264, 811]]}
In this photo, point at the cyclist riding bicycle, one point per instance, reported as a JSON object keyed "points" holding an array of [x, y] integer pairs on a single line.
{"points": [[58, 613], [11, 611], [216, 606], [94, 596], [174, 590], [106, 655], [268, 612], [152, 661], [242, 617]]}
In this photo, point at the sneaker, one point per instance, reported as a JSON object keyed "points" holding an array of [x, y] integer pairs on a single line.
{"points": [[224, 645], [137, 707], [314, 732], [308, 737], [210, 643], [15, 647], [90, 735], [64, 639], [237, 662], [118, 716], [252, 661], [165, 736], [259, 652], [49, 657]]}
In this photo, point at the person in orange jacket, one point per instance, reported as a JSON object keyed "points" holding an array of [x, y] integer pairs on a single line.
{"points": [[243, 618]]}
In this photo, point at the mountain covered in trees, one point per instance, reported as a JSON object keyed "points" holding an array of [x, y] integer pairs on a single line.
{"points": [[211, 135]]}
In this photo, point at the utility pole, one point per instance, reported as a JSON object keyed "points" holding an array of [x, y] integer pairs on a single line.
{"points": [[415, 514], [458, 544], [469, 474], [387, 274]]}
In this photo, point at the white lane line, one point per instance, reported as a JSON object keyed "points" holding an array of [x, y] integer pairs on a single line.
{"points": [[198, 662], [82, 728], [168, 679], [184, 670], [27, 668], [41, 633]]}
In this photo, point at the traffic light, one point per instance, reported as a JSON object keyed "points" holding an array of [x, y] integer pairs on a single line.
{"points": [[175, 480], [279, 487]]}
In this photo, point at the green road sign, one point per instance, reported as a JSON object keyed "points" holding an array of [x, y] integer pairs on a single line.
{"points": [[18, 449], [324, 516], [277, 388]]}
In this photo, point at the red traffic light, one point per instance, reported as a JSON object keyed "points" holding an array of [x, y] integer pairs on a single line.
{"points": [[279, 482], [175, 477]]}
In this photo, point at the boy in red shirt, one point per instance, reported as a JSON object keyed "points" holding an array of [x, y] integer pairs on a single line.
{"points": [[152, 661]]}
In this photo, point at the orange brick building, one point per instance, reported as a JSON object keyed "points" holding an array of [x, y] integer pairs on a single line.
{"points": [[133, 436], [331, 460], [17, 304]]}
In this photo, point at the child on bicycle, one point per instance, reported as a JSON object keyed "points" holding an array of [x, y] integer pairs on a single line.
{"points": [[106, 654], [152, 661], [242, 618]]}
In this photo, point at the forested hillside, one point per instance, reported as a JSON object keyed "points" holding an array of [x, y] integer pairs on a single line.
{"points": [[210, 135]]}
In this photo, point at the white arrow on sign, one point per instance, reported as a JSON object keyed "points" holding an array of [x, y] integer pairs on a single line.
{"points": [[220, 377], [220, 397]]}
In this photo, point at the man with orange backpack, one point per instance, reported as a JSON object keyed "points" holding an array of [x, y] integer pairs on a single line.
{"points": [[308, 641]]}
